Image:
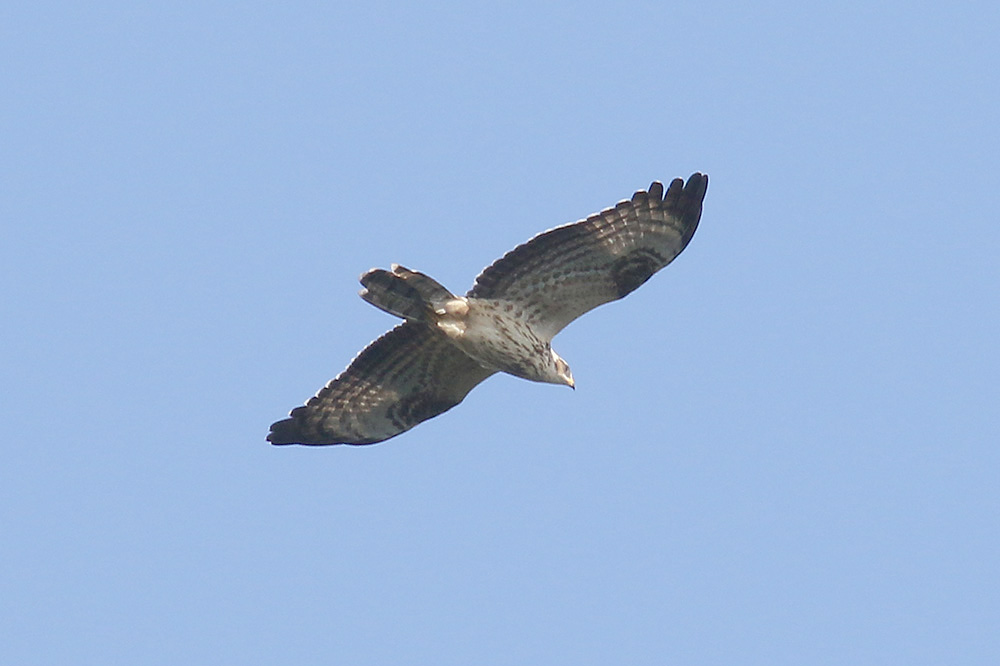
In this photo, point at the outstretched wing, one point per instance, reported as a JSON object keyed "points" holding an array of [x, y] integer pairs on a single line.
{"points": [[567, 271], [408, 375]]}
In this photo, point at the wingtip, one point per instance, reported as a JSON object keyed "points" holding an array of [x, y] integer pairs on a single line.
{"points": [[288, 432], [692, 191], [697, 184], [275, 435]]}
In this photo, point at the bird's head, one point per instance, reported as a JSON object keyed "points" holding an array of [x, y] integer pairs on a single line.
{"points": [[563, 373]]}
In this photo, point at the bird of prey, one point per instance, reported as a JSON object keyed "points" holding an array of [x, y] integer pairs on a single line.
{"points": [[448, 344]]}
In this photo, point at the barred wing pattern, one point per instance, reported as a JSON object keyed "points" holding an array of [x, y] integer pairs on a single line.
{"points": [[407, 376], [565, 272]]}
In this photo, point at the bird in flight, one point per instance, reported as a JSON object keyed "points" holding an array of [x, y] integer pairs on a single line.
{"points": [[448, 344]]}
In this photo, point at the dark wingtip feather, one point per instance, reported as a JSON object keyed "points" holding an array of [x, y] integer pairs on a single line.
{"points": [[687, 204], [697, 186], [283, 432], [674, 191], [686, 199], [300, 432]]}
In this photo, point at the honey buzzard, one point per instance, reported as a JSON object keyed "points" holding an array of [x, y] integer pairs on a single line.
{"points": [[448, 344]]}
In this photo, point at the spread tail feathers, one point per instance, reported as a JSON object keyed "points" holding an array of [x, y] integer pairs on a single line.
{"points": [[404, 293]]}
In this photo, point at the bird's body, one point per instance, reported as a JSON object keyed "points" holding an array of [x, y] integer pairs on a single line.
{"points": [[505, 323]]}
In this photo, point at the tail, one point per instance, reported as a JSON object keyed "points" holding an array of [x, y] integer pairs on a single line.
{"points": [[404, 293]]}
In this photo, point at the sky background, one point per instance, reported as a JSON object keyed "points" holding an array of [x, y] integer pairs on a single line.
{"points": [[783, 449]]}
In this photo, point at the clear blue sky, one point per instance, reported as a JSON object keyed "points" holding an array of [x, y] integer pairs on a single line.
{"points": [[783, 449]]}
